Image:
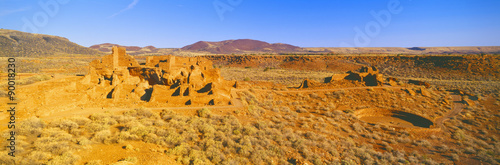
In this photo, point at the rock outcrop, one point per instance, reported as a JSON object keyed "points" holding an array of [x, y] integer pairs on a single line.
{"points": [[162, 79]]}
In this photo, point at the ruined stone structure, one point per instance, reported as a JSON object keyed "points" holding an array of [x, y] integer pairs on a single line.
{"points": [[168, 80], [368, 75], [307, 83]]}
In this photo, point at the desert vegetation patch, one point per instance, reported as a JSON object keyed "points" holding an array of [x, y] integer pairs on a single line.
{"points": [[260, 110]]}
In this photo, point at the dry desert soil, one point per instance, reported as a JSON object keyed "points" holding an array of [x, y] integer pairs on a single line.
{"points": [[259, 109]]}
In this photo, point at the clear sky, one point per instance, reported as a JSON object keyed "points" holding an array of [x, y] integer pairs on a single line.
{"points": [[319, 23]]}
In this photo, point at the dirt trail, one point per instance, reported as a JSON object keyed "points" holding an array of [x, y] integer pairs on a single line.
{"points": [[457, 108]]}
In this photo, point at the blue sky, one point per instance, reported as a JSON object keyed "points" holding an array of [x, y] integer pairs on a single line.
{"points": [[320, 23]]}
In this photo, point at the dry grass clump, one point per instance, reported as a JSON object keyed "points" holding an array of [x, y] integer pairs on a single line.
{"points": [[41, 143]]}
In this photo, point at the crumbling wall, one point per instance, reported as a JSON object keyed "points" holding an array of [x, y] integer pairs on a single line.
{"points": [[168, 80], [369, 76]]}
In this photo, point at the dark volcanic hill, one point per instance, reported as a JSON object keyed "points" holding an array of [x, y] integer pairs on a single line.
{"points": [[21, 44], [240, 46]]}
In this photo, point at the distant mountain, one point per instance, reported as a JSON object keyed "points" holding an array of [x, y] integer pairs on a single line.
{"points": [[240, 46], [133, 50], [411, 50], [22, 44]]}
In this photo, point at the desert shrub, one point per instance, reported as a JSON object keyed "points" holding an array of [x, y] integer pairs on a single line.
{"points": [[256, 111], [173, 138], [301, 110], [345, 129], [52, 146], [38, 157], [101, 136], [53, 140], [486, 156], [454, 157], [358, 128], [204, 112], [429, 162], [96, 127], [442, 148], [141, 113], [129, 159], [103, 119], [285, 109], [83, 141], [469, 150], [64, 124], [459, 135], [315, 96], [215, 155], [81, 121], [94, 162], [413, 160], [422, 143], [182, 149], [66, 158], [349, 161], [167, 114], [31, 127]]}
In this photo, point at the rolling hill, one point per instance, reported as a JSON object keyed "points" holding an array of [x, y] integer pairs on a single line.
{"points": [[240, 46], [21, 44], [132, 50]]}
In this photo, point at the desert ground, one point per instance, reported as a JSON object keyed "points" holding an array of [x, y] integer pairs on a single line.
{"points": [[259, 109]]}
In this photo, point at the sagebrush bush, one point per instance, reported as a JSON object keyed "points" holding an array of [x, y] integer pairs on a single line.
{"points": [[66, 158], [38, 157], [204, 112], [103, 119], [101, 136], [31, 127], [94, 162]]}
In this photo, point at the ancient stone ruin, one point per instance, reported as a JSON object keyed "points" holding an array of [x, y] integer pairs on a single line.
{"points": [[168, 80], [368, 76]]}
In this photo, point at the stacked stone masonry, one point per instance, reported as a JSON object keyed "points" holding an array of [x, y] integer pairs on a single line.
{"points": [[162, 79]]}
